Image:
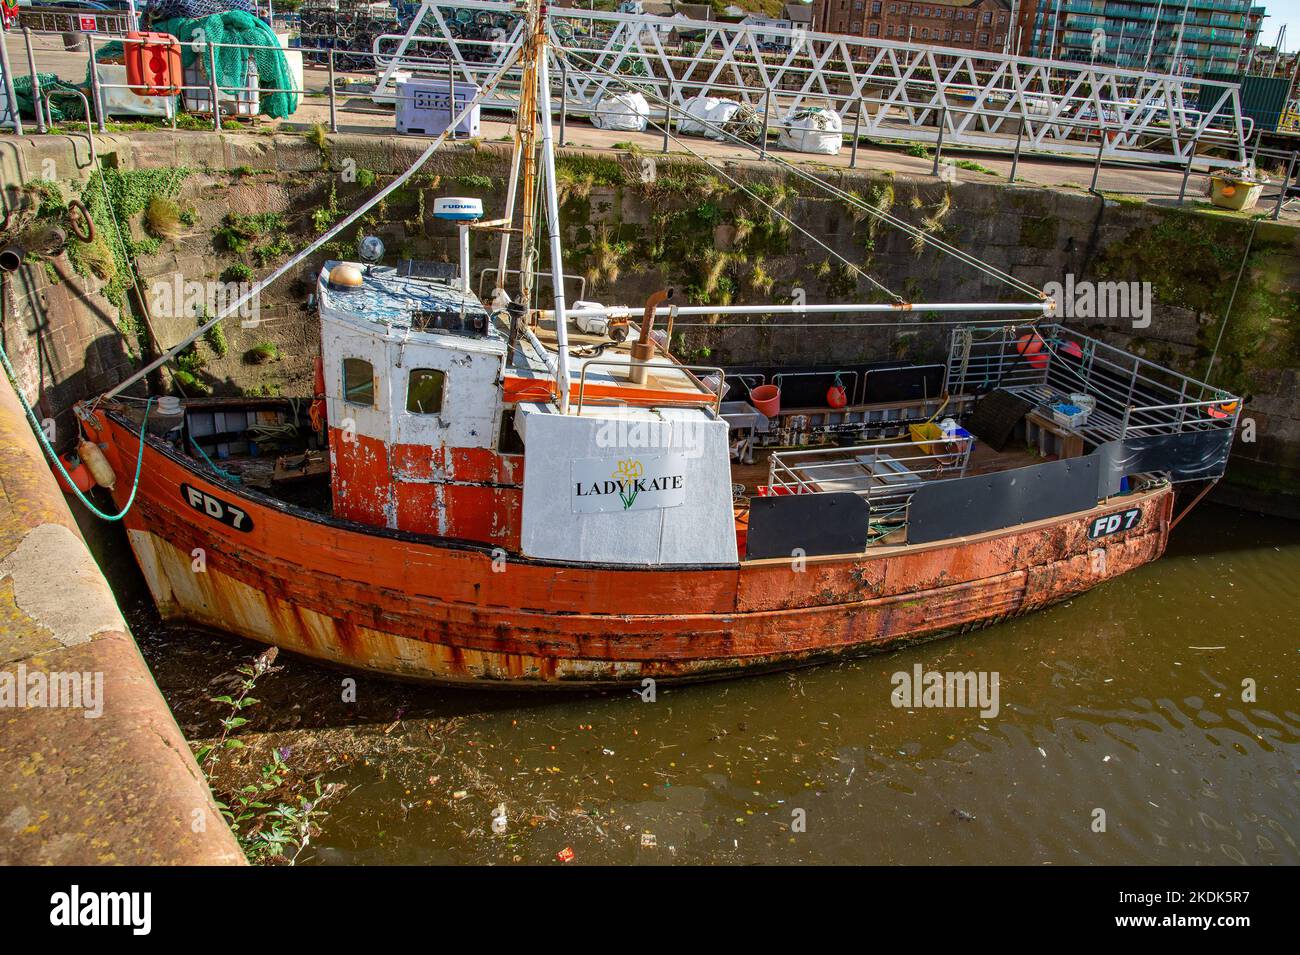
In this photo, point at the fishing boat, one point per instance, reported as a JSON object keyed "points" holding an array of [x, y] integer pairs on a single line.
{"points": [[481, 490]]}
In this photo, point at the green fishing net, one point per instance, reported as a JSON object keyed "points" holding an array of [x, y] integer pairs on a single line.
{"points": [[233, 26], [64, 101]]}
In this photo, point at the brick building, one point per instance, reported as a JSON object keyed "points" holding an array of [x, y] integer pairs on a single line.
{"points": [[964, 24]]}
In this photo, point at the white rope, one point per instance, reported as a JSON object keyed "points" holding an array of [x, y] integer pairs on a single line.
{"points": [[736, 182]]}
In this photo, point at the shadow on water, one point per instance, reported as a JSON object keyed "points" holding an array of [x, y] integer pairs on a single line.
{"points": [[1120, 735]]}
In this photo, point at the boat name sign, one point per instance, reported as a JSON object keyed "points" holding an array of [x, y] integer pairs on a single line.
{"points": [[216, 508], [1114, 523], [628, 484]]}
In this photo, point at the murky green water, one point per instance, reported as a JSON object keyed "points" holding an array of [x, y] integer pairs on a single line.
{"points": [[1127, 700]]}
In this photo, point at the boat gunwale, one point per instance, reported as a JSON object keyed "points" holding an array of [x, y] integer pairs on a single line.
{"points": [[263, 499]]}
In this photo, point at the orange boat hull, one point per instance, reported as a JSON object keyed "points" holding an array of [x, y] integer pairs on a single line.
{"points": [[418, 607]]}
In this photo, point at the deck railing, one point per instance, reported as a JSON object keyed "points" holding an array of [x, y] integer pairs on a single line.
{"points": [[688, 399], [887, 474], [1048, 363]]}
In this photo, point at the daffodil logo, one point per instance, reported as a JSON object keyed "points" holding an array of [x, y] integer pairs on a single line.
{"points": [[627, 473]]}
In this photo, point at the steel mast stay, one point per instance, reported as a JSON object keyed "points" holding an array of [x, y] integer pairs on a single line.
{"points": [[550, 189]]}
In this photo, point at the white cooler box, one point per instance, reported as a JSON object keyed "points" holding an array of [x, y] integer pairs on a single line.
{"points": [[422, 107], [119, 101]]}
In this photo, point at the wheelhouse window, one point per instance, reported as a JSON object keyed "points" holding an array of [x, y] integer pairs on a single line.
{"points": [[424, 390], [358, 382]]}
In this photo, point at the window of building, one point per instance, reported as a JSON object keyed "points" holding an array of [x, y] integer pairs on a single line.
{"points": [[875, 8], [984, 39], [969, 36], [358, 382], [925, 34], [875, 29], [424, 390], [988, 18], [855, 26], [947, 34]]}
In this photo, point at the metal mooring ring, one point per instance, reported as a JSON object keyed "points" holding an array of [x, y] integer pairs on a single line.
{"points": [[86, 232]]}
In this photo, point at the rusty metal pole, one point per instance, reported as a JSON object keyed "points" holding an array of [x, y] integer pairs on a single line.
{"points": [[212, 86], [1096, 168], [1281, 196], [767, 112], [36, 79], [1187, 174], [451, 94], [334, 110], [10, 98], [857, 125], [564, 101], [96, 94], [938, 146], [1015, 156], [668, 114]]}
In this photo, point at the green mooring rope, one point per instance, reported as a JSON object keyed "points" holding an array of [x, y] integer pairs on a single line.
{"points": [[40, 435]]}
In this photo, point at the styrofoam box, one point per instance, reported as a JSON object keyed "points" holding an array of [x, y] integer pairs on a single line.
{"points": [[422, 107]]}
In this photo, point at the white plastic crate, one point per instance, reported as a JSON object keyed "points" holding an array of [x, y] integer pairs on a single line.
{"points": [[246, 102], [422, 107]]}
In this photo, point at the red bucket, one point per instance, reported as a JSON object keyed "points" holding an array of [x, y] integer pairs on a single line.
{"points": [[767, 399]]}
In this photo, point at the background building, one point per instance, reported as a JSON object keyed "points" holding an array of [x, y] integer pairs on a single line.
{"points": [[1191, 37], [966, 24]]}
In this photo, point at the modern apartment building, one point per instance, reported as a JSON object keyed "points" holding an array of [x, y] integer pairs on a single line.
{"points": [[1188, 37]]}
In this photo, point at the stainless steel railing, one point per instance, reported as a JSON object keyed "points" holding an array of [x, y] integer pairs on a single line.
{"points": [[1047, 363], [887, 474]]}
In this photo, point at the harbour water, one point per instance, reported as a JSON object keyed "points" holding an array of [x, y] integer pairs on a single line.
{"points": [[1121, 736]]}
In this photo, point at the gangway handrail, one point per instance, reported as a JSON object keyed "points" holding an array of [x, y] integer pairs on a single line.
{"points": [[666, 366]]}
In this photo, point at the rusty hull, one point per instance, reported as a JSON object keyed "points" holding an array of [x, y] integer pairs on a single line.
{"points": [[421, 608]]}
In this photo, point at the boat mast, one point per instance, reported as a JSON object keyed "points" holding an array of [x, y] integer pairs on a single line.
{"points": [[553, 220], [525, 158]]}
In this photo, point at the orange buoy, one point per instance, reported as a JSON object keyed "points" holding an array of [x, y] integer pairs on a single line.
{"points": [[836, 396], [79, 473], [153, 64], [1224, 409], [1030, 347]]}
